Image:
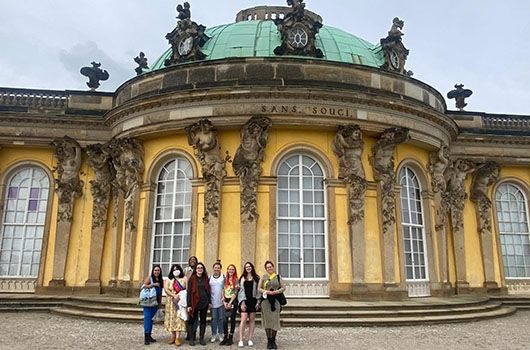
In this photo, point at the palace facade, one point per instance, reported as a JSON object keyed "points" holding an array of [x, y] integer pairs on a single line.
{"points": [[274, 137]]}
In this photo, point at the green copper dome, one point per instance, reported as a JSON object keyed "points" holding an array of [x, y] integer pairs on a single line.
{"points": [[260, 38]]}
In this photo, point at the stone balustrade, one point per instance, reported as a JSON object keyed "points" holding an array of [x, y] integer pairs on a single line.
{"points": [[33, 98]]}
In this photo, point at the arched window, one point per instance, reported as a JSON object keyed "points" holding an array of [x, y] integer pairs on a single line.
{"points": [[25, 206], [172, 218], [412, 221], [512, 216], [301, 221]]}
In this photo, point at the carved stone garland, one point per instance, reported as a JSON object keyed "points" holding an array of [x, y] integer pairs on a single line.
{"points": [[382, 161], [186, 39], [203, 138], [247, 165], [69, 187], [298, 31], [348, 147], [483, 178]]}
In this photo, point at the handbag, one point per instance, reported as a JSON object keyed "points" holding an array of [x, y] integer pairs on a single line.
{"points": [[281, 297], [148, 297], [159, 316]]}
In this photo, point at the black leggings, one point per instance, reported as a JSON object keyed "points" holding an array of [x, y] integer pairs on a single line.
{"points": [[232, 318]]}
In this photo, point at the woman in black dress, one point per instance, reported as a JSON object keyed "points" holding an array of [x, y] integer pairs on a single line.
{"points": [[248, 302]]}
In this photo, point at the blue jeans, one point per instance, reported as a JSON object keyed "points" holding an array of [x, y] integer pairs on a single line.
{"points": [[149, 312], [218, 319]]}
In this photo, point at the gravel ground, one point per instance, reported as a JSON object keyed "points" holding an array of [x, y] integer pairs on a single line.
{"points": [[45, 331]]}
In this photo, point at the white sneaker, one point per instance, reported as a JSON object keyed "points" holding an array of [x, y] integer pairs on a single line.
{"points": [[250, 343], [213, 339], [240, 344]]}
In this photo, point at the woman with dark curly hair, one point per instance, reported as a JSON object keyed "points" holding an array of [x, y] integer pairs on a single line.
{"points": [[198, 301], [270, 287]]}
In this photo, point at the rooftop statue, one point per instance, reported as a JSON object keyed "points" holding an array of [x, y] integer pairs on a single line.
{"points": [[460, 94], [395, 52], [184, 11], [142, 63], [397, 26], [94, 74], [186, 39]]}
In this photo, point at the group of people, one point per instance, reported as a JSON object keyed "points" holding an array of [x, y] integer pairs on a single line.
{"points": [[191, 292]]}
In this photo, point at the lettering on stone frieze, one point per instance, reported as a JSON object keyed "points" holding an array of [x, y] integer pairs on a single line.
{"points": [[308, 110]]}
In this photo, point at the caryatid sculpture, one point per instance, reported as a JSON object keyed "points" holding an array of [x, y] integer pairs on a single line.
{"points": [[203, 137], [484, 177], [99, 159], [348, 147], [438, 164], [382, 160], [69, 186], [247, 162], [455, 194]]}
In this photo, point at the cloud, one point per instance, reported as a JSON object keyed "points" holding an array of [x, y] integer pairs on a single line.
{"points": [[80, 55]]}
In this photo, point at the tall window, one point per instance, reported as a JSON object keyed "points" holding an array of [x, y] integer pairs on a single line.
{"points": [[512, 216], [172, 219], [25, 207], [413, 225], [301, 219]]}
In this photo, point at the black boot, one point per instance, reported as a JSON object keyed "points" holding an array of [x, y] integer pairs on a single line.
{"points": [[225, 339], [202, 330], [192, 339], [146, 339], [151, 340], [273, 340], [269, 343], [230, 340]]}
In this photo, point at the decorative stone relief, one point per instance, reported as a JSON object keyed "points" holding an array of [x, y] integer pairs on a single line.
{"points": [[127, 160], [382, 161], [247, 162], [484, 176], [395, 52], [438, 163], [298, 31], [69, 186], [455, 195], [348, 147], [203, 137], [99, 159], [186, 39]]}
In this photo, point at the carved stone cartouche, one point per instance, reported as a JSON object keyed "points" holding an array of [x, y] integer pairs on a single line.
{"points": [[69, 186], [186, 39], [247, 162], [298, 31], [94, 74], [382, 160], [203, 138], [348, 147]]}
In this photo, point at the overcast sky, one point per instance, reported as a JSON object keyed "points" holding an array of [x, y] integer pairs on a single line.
{"points": [[484, 44]]}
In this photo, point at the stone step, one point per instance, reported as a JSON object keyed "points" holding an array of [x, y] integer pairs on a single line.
{"points": [[374, 313], [396, 321]]}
